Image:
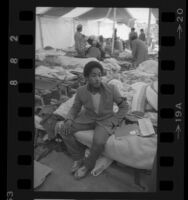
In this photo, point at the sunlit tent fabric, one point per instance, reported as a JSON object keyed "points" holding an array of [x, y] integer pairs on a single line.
{"points": [[84, 13], [55, 26]]}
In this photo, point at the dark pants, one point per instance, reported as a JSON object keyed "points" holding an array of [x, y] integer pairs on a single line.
{"points": [[77, 150]]}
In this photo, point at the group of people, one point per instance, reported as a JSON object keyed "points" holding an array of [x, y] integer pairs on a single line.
{"points": [[97, 48]]}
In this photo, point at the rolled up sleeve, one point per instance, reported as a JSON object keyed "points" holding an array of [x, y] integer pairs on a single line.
{"points": [[121, 103], [76, 107]]}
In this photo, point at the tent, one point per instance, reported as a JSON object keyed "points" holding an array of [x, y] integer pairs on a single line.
{"points": [[55, 26]]}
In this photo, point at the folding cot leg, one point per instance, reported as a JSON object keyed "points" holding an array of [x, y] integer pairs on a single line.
{"points": [[137, 179]]}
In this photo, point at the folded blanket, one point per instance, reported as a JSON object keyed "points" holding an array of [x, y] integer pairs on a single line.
{"points": [[139, 99], [55, 72], [152, 97], [72, 62], [111, 63], [149, 66]]}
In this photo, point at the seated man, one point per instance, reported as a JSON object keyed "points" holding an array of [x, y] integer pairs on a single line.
{"points": [[139, 50], [97, 99], [80, 42], [94, 51], [101, 45]]}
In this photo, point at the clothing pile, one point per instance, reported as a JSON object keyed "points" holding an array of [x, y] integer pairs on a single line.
{"points": [[54, 72], [126, 54]]}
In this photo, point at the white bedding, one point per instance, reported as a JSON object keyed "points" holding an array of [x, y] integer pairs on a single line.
{"points": [[131, 150]]}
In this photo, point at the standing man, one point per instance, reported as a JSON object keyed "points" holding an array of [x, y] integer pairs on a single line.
{"points": [[139, 50], [142, 35], [80, 42], [130, 35]]}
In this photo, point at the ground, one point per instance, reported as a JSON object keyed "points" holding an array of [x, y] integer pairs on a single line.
{"points": [[114, 179]]}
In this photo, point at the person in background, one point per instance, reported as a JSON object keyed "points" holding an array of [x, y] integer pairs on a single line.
{"points": [[80, 42], [101, 45], [94, 51], [108, 47], [118, 44], [96, 100], [130, 35], [115, 34], [142, 35], [139, 50]]}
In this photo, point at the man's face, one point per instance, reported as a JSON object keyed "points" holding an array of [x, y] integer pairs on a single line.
{"points": [[95, 78]]}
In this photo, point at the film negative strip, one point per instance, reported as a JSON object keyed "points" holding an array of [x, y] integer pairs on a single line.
{"points": [[29, 30]]}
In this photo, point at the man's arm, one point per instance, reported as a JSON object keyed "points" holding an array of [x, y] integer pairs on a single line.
{"points": [[76, 107], [121, 103], [134, 50]]}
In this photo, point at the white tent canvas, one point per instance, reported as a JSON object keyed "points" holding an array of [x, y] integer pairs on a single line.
{"points": [[57, 31]]}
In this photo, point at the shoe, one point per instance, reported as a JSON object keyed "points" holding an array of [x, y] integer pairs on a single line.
{"points": [[76, 165], [81, 172]]}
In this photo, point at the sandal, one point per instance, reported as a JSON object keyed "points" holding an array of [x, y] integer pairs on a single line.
{"points": [[76, 165], [81, 172]]}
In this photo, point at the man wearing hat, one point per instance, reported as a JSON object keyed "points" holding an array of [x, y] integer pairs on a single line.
{"points": [[80, 41]]}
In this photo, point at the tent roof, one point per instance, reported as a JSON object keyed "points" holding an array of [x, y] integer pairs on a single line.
{"points": [[155, 12], [58, 11], [123, 15], [141, 14], [86, 13]]}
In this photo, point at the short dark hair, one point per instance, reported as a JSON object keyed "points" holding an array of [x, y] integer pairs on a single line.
{"points": [[133, 29], [79, 27], [142, 29], [90, 66]]}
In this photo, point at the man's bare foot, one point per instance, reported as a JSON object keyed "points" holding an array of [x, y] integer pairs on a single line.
{"points": [[81, 172], [76, 165]]}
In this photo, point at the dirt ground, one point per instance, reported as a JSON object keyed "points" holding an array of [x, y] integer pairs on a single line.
{"points": [[114, 179]]}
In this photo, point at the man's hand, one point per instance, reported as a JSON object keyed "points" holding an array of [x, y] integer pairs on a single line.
{"points": [[58, 127], [63, 127], [67, 127]]}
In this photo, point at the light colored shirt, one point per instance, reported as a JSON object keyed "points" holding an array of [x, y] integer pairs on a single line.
{"points": [[80, 43], [96, 101]]}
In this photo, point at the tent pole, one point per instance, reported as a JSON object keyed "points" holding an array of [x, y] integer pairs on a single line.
{"points": [[98, 28], [41, 35], [113, 36], [108, 13], [149, 25]]}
